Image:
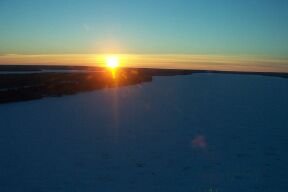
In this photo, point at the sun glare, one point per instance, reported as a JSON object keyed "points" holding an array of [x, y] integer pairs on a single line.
{"points": [[112, 62]]}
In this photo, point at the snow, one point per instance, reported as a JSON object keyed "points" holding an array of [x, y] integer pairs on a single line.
{"points": [[202, 132]]}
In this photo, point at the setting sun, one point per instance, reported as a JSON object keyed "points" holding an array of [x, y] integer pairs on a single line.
{"points": [[112, 62]]}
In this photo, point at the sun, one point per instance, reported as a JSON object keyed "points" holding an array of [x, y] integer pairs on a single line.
{"points": [[112, 62]]}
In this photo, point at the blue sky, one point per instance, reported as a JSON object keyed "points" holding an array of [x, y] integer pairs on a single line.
{"points": [[225, 27]]}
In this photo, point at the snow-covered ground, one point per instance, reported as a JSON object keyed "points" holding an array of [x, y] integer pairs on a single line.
{"points": [[197, 133]]}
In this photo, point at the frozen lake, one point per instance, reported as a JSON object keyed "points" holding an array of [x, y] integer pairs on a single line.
{"points": [[200, 133]]}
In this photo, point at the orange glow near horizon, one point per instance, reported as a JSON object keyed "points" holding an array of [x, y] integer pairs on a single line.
{"points": [[171, 61], [112, 62]]}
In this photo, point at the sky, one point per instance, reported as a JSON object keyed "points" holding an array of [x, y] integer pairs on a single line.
{"points": [[206, 27]]}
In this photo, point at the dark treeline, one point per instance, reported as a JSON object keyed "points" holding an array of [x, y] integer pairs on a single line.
{"points": [[38, 82]]}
